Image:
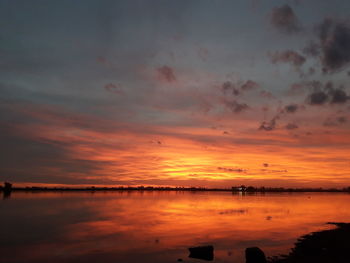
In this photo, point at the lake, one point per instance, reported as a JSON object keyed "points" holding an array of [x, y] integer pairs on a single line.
{"points": [[158, 226]]}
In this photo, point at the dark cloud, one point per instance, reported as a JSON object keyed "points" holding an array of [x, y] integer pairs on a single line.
{"points": [[237, 170], [237, 88], [270, 125], [233, 211], [338, 96], [274, 171], [288, 56], [291, 126], [291, 108], [235, 106], [167, 73], [22, 151], [284, 19], [318, 98], [327, 94], [265, 164], [156, 142], [334, 37], [228, 86]]}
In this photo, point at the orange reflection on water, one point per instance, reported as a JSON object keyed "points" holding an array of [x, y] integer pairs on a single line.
{"points": [[160, 226]]}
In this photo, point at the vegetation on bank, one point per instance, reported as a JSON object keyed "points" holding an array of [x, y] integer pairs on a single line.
{"points": [[239, 189]]}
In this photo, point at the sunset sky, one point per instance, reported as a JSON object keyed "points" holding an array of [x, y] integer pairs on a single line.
{"points": [[180, 93]]}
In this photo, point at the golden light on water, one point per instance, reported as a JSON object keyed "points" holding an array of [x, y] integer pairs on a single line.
{"points": [[162, 225]]}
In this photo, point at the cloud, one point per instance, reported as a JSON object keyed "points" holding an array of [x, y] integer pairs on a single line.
{"points": [[312, 49], [233, 211], [334, 37], [230, 89], [238, 88], [156, 142], [265, 164], [335, 121], [338, 96], [274, 171], [318, 98], [114, 88], [249, 85], [270, 125], [288, 56], [235, 106], [166, 73], [291, 126], [291, 108], [266, 94], [228, 86], [327, 94], [284, 19], [237, 170]]}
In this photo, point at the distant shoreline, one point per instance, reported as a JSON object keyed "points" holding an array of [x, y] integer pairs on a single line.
{"points": [[177, 189]]}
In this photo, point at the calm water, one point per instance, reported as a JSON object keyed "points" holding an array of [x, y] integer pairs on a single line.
{"points": [[158, 226]]}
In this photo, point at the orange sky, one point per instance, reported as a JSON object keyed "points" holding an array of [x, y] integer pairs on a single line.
{"points": [[134, 154]]}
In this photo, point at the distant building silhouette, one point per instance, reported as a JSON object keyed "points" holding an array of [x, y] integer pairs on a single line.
{"points": [[7, 186], [7, 190]]}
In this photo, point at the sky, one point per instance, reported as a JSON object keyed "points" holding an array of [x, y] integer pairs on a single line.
{"points": [[177, 93]]}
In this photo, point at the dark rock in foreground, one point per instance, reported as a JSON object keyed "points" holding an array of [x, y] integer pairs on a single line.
{"points": [[254, 255], [205, 252], [328, 246]]}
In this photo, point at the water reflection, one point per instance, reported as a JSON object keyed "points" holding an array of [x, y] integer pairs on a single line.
{"points": [[6, 191], [158, 226], [6, 194]]}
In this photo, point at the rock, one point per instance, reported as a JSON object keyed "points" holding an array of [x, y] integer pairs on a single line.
{"points": [[254, 255], [204, 252]]}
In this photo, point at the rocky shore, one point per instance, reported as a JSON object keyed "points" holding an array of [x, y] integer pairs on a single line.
{"points": [[328, 246]]}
